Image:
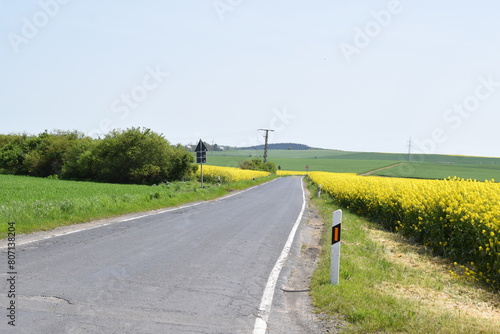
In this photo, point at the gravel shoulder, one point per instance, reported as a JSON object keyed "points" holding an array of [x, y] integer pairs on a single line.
{"points": [[293, 311]]}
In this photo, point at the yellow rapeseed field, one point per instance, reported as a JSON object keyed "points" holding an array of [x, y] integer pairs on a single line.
{"points": [[290, 172], [229, 174], [456, 218]]}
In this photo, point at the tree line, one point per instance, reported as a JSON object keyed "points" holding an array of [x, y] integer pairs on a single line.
{"points": [[135, 155]]}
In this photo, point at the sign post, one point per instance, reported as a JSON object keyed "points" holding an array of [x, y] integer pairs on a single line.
{"points": [[201, 157], [335, 248]]}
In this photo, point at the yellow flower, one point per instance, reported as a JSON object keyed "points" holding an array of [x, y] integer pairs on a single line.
{"points": [[228, 174], [454, 215]]}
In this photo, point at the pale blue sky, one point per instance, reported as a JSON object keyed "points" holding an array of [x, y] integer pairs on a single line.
{"points": [[351, 75]]}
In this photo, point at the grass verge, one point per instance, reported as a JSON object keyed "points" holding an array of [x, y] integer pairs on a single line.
{"points": [[40, 204], [388, 285]]}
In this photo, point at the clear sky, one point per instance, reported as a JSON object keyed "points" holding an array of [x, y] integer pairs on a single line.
{"points": [[352, 75]]}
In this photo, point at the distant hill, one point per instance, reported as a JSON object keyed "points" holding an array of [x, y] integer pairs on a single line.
{"points": [[279, 146]]}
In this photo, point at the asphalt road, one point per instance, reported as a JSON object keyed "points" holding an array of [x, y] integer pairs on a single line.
{"points": [[198, 269]]}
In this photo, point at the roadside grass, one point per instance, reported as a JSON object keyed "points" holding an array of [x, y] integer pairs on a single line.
{"points": [[40, 204], [389, 285], [442, 171]]}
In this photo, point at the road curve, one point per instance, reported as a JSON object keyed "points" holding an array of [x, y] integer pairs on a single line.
{"points": [[198, 269]]}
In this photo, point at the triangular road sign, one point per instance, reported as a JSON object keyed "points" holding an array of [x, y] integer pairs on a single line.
{"points": [[201, 147]]}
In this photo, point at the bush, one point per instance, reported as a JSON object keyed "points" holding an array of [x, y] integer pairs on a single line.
{"points": [[41, 155], [79, 161], [138, 156], [258, 164], [130, 156], [12, 158]]}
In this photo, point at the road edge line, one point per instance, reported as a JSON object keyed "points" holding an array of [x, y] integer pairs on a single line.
{"points": [[65, 230], [260, 326]]}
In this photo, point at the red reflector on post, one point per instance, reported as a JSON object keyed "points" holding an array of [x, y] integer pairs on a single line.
{"points": [[336, 234]]}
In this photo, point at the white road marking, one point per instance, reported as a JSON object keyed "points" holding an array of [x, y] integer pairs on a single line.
{"points": [[260, 326], [35, 238], [25, 242]]}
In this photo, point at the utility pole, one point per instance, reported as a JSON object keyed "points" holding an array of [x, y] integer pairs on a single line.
{"points": [[265, 145], [409, 150]]}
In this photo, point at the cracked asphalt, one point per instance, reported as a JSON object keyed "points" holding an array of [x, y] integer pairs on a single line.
{"points": [[199, 269]]}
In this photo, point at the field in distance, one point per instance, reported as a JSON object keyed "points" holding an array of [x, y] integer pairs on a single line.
{"points": [[429, 166], [442, 171], [297, 160]]}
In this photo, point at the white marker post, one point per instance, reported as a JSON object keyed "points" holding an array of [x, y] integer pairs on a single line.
{"points": [[335, 248]]}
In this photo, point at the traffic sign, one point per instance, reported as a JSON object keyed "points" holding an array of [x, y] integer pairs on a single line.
{"points": [[201, 157], [201, 147]]}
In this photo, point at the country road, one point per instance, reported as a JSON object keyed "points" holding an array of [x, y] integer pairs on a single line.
{"points": [[202, 268]]}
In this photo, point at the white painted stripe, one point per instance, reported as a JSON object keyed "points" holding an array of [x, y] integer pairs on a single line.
{"points": [[134, 218], [21, 243], [260, 326], [242, 191], [163, 211], [195, 204]]}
